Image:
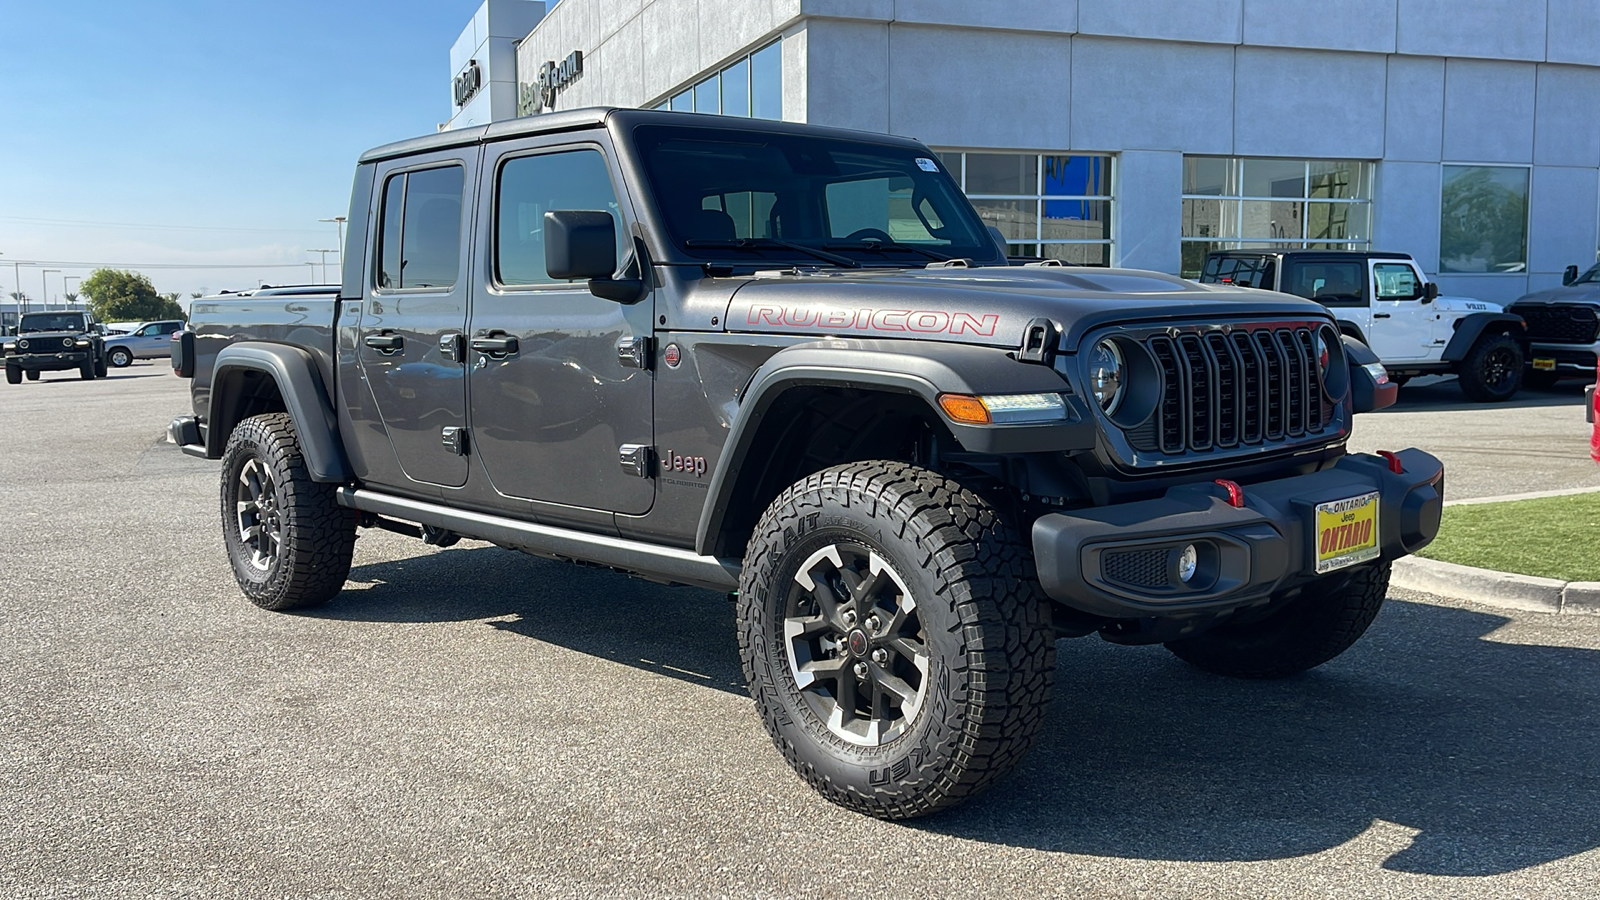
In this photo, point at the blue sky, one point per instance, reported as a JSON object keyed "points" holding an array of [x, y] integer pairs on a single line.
{"points": [[203, 132]]}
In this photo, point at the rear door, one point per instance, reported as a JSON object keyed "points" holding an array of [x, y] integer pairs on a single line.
{"points": [[1402, 323], [553, 401], [414, 311]]}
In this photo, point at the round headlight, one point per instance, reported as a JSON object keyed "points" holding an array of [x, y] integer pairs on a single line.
{"points": [[1328, 348], [66, 342], [1106, 374], [22, 344]]}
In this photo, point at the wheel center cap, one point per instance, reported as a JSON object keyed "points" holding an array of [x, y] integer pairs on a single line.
{"points": [[858, 643]]}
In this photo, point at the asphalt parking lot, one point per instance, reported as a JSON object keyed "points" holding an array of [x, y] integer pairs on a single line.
{"points": [[474, 722]]}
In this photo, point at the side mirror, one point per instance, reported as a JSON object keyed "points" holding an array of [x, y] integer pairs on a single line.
{"points": [[582, 243], [1569, 276], [1430, 292]]}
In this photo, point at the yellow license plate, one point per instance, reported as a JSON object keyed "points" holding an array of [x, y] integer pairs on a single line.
{"points": [[1347, 532], [1544, 364]]}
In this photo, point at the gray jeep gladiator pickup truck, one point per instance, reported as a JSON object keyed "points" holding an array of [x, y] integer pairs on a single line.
{"points": [[791, 364]]}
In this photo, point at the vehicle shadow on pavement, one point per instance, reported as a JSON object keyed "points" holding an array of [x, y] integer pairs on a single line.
{"points": [[678, 632], [1488, 750], [1446, 396]]}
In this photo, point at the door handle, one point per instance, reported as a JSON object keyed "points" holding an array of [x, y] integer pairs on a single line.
{"points": [[494, 346], [385, 343], [1380, 315]]}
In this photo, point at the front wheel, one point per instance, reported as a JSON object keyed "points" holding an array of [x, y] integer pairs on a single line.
{"points": [[1328, 617], [1492, 369], [894, 638], [13, 374], [288, 539], [86, 371], [120, 357], [34, 374], [100, 367]]}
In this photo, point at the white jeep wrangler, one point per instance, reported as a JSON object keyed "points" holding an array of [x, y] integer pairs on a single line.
{"points": [[1384, 300]]}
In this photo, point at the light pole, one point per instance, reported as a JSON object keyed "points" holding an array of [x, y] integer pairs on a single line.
{"points": [[44, 291], [313, 275], [324, 262], [339, 221]]}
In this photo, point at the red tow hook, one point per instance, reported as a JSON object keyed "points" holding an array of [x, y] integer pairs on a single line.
{"points": [[1394, 461], [1235, 493]]}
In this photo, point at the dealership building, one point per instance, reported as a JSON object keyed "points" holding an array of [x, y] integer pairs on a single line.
{"points": [[1137, 133]]}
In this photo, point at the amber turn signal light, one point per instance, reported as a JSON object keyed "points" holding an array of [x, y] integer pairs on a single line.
{"points": [[964, 408]]}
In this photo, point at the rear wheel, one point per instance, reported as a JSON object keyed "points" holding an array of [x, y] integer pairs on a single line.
{"points": [[1492, 369], [13, 374], [120, 357], [100, 367], [1324, 621], [288, 539], [894, 638]]}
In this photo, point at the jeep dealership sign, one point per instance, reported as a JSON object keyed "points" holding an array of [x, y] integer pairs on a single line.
{"points": [[467, 82]]}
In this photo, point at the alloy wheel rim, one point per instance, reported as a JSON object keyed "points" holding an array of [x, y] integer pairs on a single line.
{"points": [[258, 513], [856, 644], [1499, 369]]}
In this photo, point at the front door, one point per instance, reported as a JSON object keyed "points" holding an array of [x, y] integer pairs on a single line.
{"points": [[552, 401], [414, 312], [1402, 325]]}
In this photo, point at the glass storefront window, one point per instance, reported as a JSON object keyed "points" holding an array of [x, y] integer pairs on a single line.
{"points": [[736, 89], [1483, 219], [1054, 206], [766, 82], [751, 86], [1238, 202]]}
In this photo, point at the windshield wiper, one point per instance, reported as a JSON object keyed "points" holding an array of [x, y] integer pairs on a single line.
{"points": [[766, 242], [881, 246]]}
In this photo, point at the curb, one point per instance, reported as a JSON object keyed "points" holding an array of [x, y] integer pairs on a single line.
{"points": [[1527, 593]]}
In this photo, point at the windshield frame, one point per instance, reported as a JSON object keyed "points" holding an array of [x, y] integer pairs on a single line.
{"points": [[81, 327], [1590, 277], [640, 140]]}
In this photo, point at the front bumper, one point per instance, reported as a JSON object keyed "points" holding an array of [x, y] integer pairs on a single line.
{"points": [[1570, 359], [1247, 553], [47, 362]]}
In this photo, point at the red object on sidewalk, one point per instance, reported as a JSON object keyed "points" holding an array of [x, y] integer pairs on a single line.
{"points": [[1593, 414]]}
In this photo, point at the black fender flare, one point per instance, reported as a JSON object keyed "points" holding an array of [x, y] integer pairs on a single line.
{"points": [[1470, 328], [1366, 394], [919, 368], [304, 397]]}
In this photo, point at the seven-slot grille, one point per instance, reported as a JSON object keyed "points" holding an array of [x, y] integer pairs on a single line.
{"points": [[1224, 390], [1560, 324]]}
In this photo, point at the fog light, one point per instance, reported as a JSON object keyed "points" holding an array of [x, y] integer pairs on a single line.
{"points": [[1188, 562]]}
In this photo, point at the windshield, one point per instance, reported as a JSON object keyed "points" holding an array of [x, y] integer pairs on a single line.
{"points": [[729, 194], [1590, 277], [51, 322]]}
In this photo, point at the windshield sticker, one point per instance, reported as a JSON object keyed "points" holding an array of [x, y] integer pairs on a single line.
{"points": [[927, 165]]}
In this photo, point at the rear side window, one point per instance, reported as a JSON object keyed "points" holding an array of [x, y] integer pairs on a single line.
{"points": [[419, 237], [529, 187], [1329, 283], [1253, 271]]}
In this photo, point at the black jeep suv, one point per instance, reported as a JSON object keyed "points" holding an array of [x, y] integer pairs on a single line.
{"points": [[50, 341]]}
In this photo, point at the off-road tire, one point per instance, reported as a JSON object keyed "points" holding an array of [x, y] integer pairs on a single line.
{"points": [[86, 371], [1492, 370], [990, 646], [310, 559], [13, 374], [1324, 621], [120, 357], [33, 374], [100, 367]]}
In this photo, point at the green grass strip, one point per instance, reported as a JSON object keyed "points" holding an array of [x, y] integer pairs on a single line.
{"points": [[1553, 537]]}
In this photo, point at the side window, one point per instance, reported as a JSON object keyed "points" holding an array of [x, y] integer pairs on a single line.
{"points": [[150, 331], [419, 238], [1396, 281], [171, 327], [1328, 283], [530, 186]]}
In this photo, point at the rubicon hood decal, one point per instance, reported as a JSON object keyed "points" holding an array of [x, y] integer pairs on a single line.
{"points": [[991, 306]]}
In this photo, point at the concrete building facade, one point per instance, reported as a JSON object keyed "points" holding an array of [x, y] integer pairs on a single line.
{"points": [[1142, 132]]}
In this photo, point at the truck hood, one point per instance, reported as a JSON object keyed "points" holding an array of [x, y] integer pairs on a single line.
{"points": [[1572, 293], [988, 305]]}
